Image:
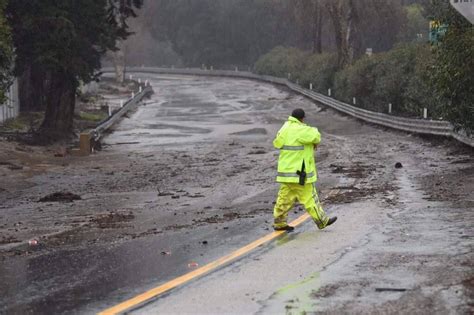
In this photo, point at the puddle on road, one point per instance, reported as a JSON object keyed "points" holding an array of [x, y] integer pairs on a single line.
{"points": [[296, 297], [178, 128], [251, 132]]}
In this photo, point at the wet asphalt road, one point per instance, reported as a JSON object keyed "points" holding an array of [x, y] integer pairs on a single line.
{"points": [[186, 116], [195, 166]]}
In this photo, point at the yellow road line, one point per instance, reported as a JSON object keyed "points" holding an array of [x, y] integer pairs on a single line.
{"points": [[153, 293]]}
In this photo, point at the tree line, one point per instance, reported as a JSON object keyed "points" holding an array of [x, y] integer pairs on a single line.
{"points": [[53, 46], [413, 75], [227, 33]]}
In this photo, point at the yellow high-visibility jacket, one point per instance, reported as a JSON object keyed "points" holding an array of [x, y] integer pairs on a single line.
{"points": [[296, 142]]}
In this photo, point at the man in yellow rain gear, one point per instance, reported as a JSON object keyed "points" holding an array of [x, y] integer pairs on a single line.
{"points": [[297, 173]]}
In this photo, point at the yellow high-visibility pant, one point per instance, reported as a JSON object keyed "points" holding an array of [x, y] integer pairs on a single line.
{"points": [[306, 195]]}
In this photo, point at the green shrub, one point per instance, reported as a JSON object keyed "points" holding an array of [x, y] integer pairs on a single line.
{"points": [[454, 79], [306, 68], [358, 80], [393, 71], [319, 70], [419, 92], [400, 76], [280, 61], [95, 117], [25, 122]]}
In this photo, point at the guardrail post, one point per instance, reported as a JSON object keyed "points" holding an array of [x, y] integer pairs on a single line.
{"points": [[139, 81], [329, 92], [236, 69], [140, 89], [109, 110], [85, 143], [121, 103], [311, 86], [146, 82], [389, 108], [354, 100], [289, 76], [133, 94], [425, 113], [131, 77]]}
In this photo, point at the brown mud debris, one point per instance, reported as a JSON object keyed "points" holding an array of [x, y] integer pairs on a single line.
{"points": [[349, 194], [176, 227], [257, 152], [325, 291], [164, 193], [226, 217], [8, 239], [356, 170], [62, 196], [453, 186], [112, 219], [11, 166], [62, 152], [468, 285], [14, 167]]}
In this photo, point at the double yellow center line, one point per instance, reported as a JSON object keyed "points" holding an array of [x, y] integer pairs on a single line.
{"points": [[155, 292]]}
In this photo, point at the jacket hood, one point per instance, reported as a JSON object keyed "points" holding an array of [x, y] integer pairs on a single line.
{"points": [[293, 119]]}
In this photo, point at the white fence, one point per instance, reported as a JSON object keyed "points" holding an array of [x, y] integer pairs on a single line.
{"points": [[11, 107], [421, 126]]}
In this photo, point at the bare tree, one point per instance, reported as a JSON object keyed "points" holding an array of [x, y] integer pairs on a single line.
{"points": [[344, 18], [309, 17], [318, 26], [120, 11]]}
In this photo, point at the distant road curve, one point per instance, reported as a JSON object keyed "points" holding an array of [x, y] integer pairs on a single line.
{"points": [[420, 126]]}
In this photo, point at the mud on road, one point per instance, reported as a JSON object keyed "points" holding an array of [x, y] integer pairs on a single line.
{"points": [[190, 176]]}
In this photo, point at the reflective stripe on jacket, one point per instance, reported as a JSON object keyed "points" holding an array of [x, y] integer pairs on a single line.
{"points": [[296, 142]]}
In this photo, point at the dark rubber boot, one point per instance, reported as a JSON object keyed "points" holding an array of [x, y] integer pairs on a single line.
{"points": [[331, 221], [285, 228]]}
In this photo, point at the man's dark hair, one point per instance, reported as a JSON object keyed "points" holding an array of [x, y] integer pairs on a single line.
{"points": [[298, 113]]}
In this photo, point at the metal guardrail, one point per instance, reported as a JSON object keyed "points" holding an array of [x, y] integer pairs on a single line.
{"points": [[88, 139], [98, 131], [420, 126]]}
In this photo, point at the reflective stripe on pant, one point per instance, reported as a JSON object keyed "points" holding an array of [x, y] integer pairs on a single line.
{"points": [[306, 195]]}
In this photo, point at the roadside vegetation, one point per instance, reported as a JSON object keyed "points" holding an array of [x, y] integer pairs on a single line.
{"points": [[94, 117], [413, 75], [58, 46], [399, 76], [6, 53], [25, 122]]}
